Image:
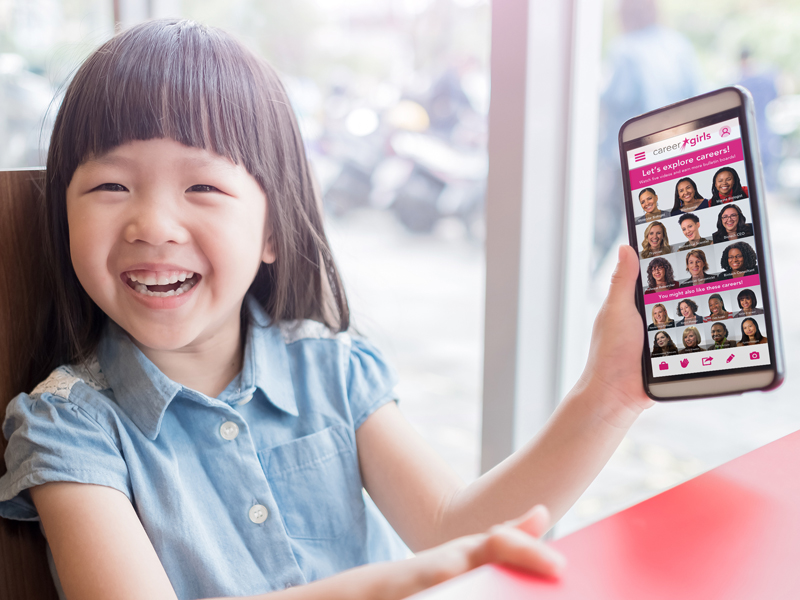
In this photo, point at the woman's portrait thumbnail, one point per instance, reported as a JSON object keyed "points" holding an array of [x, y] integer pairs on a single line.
{"points": [[648, 200], [721, 337], [663, 345], [660, 276], [738, 260], [687, 310], [655, 241], [691, 341], [697, 267], [660, 318], [732, 225], [727, 187], [690, 226], [748, 304], [751, 333], [716, 308], [687, 198]]}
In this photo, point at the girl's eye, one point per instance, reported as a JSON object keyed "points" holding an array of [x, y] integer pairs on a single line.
{"points": [[111, 187], [202, 188]]}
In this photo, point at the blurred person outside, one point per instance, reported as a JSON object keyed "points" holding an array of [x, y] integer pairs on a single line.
{"points": [[650, 65], [761, 82]]}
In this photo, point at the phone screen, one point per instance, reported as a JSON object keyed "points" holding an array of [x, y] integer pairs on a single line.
{"points": [[697, 235]]}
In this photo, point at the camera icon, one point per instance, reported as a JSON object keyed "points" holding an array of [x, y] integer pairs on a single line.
{"points": [[754, 356]]}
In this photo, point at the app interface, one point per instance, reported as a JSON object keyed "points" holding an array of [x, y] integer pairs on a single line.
{"points": [[697, 251]]}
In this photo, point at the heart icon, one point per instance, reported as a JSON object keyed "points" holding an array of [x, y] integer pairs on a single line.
{"points": [[685, 362]]}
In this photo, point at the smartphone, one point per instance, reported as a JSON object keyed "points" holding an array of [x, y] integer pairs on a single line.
{"points": [[696, 213]]}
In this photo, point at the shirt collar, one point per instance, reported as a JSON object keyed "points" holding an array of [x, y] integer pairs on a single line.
{"points": [[144, 392], [266, 360]]}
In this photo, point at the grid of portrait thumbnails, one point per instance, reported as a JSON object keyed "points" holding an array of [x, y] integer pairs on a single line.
{"points": [[700, 273]]}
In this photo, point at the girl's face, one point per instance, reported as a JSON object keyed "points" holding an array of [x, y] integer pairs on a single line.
{"points": [[659, 273], [659, 315], [689, 340], [649, 201], [686, 310], [661, 339], [749, 328], [746, 302], [686, 191], [655, 236], [695, 266], [735, 259], [724, 183], [715, 306], [730, 219], [690, 229], [167, 239]]}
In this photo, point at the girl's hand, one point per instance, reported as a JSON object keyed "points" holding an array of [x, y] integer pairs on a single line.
{"points": [[515, 543], [614, 368]]}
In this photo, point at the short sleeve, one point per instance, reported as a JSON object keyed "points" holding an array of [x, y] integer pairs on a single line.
{"points": [[370, 381], [53, 439]]}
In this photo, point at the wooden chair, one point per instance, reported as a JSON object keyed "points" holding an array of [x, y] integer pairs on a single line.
{"points": [[25, 305]]}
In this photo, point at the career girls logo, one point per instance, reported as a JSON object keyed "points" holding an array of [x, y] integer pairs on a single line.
{"points": [[681, 146]]}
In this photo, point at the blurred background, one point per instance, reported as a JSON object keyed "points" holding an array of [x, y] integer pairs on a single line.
{"points": [[393, 100]]}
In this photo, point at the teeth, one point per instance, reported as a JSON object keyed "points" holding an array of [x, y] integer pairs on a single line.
{"points": [[184, 287], [159, 278]]}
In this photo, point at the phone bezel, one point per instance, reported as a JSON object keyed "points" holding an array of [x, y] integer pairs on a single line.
{"points": [[668, 122]]}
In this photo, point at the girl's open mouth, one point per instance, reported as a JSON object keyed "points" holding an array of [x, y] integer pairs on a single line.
{"points": [[162, 284]]}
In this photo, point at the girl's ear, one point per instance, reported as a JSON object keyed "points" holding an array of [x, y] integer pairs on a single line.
{"points": [[268, 254]]}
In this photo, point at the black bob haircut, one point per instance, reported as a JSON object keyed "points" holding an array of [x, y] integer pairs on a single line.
{"points": [[196, 85]]}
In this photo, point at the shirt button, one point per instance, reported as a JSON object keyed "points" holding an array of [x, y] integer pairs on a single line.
{"points": [[229, 430], [244, 400], [258, 513]]}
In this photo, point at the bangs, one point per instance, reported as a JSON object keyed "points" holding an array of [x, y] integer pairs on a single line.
{"points": [[179, 80]]}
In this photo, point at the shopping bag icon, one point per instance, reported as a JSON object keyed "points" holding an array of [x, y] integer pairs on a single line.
{"points": [[663, 366]]}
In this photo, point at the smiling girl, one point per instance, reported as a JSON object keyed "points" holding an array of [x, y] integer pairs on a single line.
{"points": [[208, 426]]}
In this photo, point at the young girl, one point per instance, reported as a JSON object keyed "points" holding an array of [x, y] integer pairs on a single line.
{"points": [[212, 425]]}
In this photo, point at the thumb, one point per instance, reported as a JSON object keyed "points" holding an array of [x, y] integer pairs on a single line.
{"points": [[623, 279]]}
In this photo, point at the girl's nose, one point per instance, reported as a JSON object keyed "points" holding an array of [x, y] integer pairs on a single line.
{"points": [[156, 221]]}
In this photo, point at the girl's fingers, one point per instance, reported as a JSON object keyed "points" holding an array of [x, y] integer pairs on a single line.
{"points": [[513, 547], [535, 522]]}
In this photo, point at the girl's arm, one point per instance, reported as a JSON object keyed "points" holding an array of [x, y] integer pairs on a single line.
{"points": [[428, 504], [101, 551]]}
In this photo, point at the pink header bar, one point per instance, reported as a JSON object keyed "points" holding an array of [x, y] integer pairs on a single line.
{"points": [[708, 288], [686, 164]]}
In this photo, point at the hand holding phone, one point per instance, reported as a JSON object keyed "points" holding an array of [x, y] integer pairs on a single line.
{"points": [[696, 217]]}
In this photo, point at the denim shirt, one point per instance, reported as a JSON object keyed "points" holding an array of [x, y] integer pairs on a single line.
{"points": [[250, 492]]}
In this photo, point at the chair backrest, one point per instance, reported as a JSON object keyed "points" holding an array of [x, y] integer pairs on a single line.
{"points": [[25, 306]]}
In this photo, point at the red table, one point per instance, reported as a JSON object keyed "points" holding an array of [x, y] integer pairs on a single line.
{"points": [[732, 533]]}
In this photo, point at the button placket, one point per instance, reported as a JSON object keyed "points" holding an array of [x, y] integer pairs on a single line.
{"points": [[229, 430], [258, 513]]}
